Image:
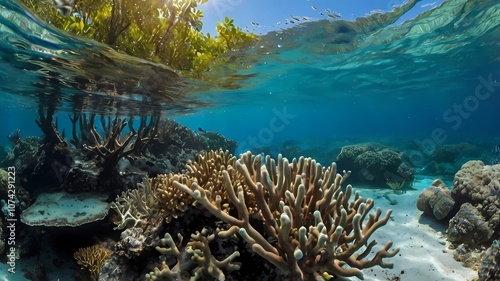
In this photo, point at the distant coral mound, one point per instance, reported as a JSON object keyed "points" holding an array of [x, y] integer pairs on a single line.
{"points": [[375, 164]]}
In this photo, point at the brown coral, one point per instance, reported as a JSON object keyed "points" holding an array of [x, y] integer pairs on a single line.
{"points": [[316, 227], [172, 202], [474, 182], [207, 170], [375, 163], [436, 200], [490, 265], [153, 197], [92, 258], [202, 261], [136, 207], [479, 185]]}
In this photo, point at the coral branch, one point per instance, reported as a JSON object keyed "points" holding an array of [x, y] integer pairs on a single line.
{"points": [[318, 227], [51, 136]]}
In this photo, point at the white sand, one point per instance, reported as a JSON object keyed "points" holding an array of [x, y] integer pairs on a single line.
{"points": [[424, 253]]}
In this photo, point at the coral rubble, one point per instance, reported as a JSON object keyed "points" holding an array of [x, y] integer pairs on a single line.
{"points": [[446, 159]]}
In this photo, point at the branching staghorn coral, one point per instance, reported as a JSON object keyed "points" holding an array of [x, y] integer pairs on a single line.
{"points": [[208, 265], [135, 207], [114, 147], [114, 144], [198, 257], [171, 201], [169, 248], [92, 258], [49, 129], [154, 197], [207, 170], [302, 206]]}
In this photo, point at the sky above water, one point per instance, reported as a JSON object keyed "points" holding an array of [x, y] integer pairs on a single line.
{"points": [[262, 16]]}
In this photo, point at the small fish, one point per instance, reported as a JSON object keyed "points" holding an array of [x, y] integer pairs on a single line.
{"points": [[496, 149], [66, 7], [15, 136], [295, 18], [334, 16], [201, 130], [314, 8]]}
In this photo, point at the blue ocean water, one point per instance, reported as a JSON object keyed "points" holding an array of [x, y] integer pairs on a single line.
{"points": [[334, 80]]}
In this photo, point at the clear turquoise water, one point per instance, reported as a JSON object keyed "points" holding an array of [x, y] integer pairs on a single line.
{"points": [[337, 81]]}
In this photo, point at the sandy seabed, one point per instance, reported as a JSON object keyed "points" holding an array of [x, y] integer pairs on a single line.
{"points": [[424, 253]]}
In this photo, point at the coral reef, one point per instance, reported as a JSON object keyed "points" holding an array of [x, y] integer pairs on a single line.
{"points": [[375, 164], [293, 215], [152, 198], [479, 185], [135, 207], [207, 170], [111, 149], [199, 259], [172, 202], [217, 141], [490, 265], [446, 159], [468, 226], [19, 196], [107, 156], [132, 242], [24, 156], [315, 226], [469, 256], [473, 204], [92, 258], [174, 138], [436, 200], [48, 127]]}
